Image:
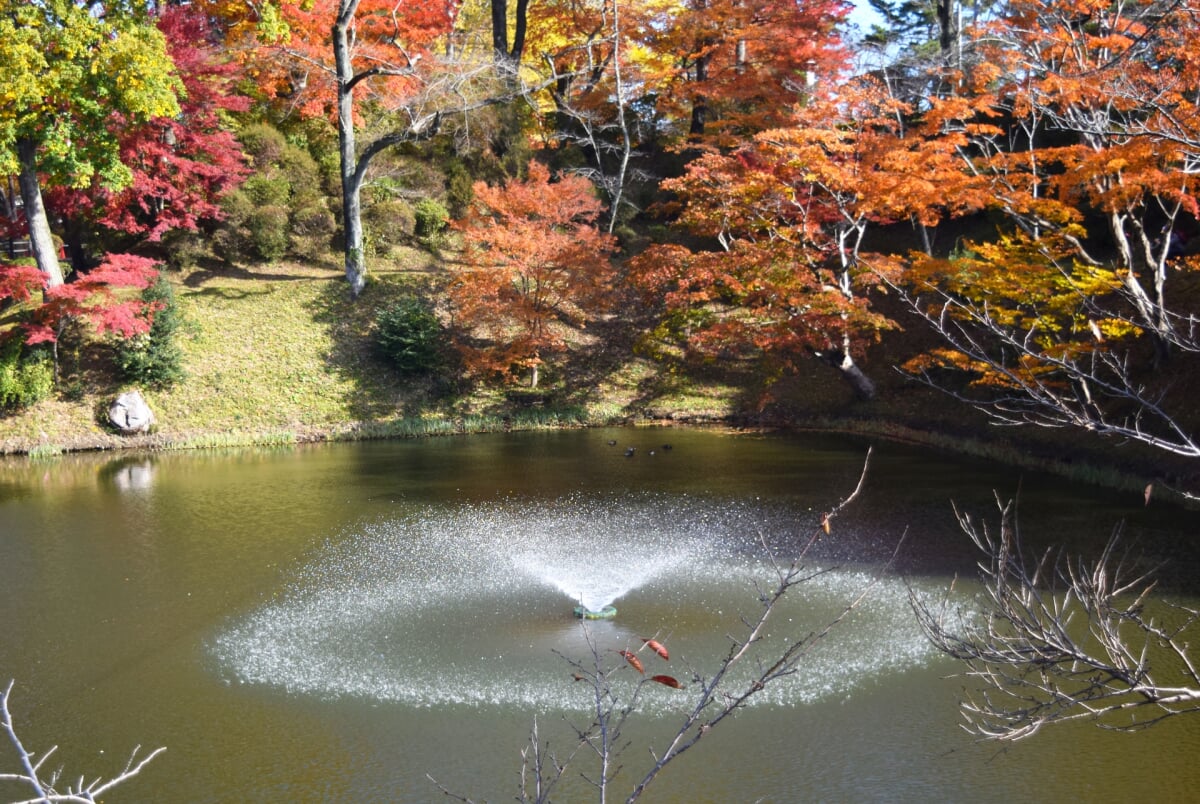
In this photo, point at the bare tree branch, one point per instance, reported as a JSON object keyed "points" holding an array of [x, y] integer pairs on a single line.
{"points": [[1058, 640], [44, 789], [1096, 390]]}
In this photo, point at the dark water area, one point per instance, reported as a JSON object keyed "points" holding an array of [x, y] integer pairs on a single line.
{"points": [[336, 622]]}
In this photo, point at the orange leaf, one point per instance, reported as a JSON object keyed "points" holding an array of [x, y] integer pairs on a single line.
{"points": [[667, 681], [657, 648], [634, 661]]}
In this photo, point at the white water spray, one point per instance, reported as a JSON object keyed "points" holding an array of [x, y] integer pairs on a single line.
{"points": [[472, 605]]}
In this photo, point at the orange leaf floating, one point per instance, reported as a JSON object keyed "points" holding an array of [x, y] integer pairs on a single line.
{"points": [[634, 661], [657, 648], [825, 523], [667, 681]]}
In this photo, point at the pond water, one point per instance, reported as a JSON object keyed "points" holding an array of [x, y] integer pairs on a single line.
{"points": [[344, 621]]}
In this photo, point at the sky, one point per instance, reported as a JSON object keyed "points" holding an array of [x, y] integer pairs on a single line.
{"points": [[863, 15]]}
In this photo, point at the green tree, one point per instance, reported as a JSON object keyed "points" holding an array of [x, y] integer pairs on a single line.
{"points": [[73, 74]]}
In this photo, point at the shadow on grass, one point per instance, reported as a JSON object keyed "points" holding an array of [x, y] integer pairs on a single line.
{"points": [[380, 393], [214, 271], [229, 293]]}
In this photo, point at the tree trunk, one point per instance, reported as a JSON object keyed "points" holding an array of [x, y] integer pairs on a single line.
{"points": [[863, 387], [699, 103], [40, 240], [851, 373], [500, 29], [948, 32], [356, 266], [509, 57]]}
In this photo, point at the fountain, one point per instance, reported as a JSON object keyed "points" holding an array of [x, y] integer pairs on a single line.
{"points": [[465, 605]]}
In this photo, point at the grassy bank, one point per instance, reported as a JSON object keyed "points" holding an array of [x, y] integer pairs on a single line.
{"points": [[280, 354]]}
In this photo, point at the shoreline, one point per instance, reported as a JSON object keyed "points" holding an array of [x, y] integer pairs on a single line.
{"points": [[1091, 468]]}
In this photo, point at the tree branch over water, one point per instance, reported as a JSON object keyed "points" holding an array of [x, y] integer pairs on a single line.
{"points": [[1059, 640], [44, 789], [712, 698]]}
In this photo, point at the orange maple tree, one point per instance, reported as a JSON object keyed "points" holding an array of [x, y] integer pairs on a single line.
{"points": [[535, 269], [1080, 118], [783, 274], [723, 69]]}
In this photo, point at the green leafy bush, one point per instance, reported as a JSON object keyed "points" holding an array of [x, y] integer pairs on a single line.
{"points": [[280, 211], [268, 228], [155, 358], [387, 224], [431, 218], [26, 375], [409, 336]]}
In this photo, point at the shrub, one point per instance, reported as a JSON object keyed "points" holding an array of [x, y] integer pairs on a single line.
{"points": [[26, 375], [387, 224], [268, 189], [281, 210], [459, 188], [263, 142], [155, 358], [184, 249], [409, 335], [431, 218], [268, 228], [312, 231]]}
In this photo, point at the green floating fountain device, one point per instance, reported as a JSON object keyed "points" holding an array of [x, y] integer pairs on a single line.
{"points": [[606, 613]]}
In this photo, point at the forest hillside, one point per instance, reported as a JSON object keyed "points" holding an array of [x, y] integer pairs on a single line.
{"points": [[975, 225]]}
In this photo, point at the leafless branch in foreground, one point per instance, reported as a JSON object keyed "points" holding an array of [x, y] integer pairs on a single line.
{"points": [[44, 790], [1060, 640]]}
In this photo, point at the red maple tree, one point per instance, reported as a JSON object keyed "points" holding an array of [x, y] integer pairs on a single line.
{"points": [[181, 166], [92, 297]]}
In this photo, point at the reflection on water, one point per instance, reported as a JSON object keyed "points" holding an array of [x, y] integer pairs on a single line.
{"points": [[335, 622], [472, 605], [131, 475]]}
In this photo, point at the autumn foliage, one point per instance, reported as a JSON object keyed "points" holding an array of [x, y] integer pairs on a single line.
{"points": [[1078, 124], [776, 266], [94, 297], [724, 69], [181, 166], [536, 269]]}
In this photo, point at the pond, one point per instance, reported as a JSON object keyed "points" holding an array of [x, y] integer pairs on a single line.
{"points": [[343, 622]]}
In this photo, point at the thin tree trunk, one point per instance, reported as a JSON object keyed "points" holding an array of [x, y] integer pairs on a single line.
{"points": [[700, 102], [860, 382], [356, 267], [40, 240]]}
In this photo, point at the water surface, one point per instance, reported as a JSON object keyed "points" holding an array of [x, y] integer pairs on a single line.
{"points": [[337, 622]]}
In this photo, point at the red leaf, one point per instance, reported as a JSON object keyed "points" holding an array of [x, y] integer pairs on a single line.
{"points": [[38, 333], [657, 648], [667, 681], [19, 282], [634, 661]]}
